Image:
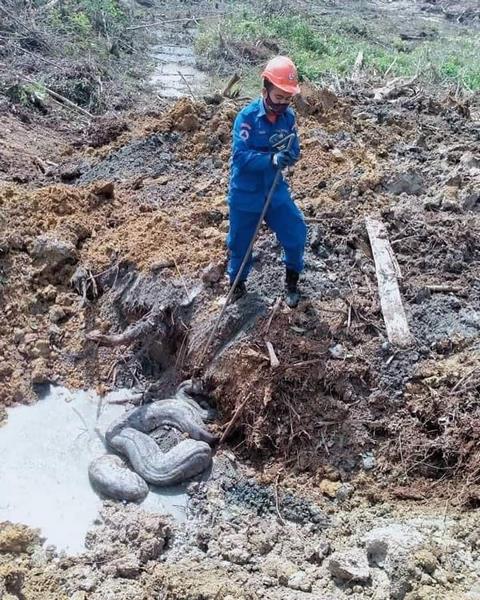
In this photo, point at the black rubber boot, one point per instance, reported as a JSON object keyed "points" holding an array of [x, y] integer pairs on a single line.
{"points": [[240, 291], [293, 295]]}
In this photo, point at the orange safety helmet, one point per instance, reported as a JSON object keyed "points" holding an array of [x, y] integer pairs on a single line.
{"points": [[283, 74]]}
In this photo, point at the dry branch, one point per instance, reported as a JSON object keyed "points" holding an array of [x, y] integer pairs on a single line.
{"points": [[387, 272], [234, 419], [59, 97], [395, 87], [274, 362], [141, 329]]}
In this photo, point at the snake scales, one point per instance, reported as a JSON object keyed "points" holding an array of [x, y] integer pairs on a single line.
{"points": [[129, 437]]}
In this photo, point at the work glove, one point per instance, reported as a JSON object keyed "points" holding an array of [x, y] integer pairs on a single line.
{"points": [[283, 159]]}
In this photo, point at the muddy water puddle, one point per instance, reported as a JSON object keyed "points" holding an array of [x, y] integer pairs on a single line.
{"points": [[175, 74], [46, 450]]}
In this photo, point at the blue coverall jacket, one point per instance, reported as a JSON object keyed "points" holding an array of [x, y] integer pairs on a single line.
{"points": [[251, 176]]}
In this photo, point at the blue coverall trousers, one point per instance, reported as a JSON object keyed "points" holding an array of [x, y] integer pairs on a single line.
{"points": [[284, 219]]}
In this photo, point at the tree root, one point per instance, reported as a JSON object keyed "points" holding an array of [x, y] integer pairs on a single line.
{"points": [[148, 326]]}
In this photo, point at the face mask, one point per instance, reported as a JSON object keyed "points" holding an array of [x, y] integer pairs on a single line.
{"points": [[275, 107]]}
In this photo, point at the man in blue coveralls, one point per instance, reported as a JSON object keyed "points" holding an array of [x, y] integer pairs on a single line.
{"points": [[256, 157]]}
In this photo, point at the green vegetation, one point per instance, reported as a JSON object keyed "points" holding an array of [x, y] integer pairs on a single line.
{"points": [[87, 21], [326, 47]]}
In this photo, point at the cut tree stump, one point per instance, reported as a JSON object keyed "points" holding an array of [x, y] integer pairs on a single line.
{"points": [[388, 271]]}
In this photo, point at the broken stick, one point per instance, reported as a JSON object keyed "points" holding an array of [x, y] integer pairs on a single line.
{"points": [[274, 362], [234, 419], [386, 268]]}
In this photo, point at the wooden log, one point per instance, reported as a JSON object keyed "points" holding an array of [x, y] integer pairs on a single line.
{"points": [[387, 271]]}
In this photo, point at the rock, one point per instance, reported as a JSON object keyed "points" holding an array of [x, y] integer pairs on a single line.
{"points": [[391, 548], [470, 200], [300, 581], [279, 568], [18, 336], [337, 351], [105, 189], [410, 183], [39, 371], [53, 251], [41, 348], [330, 488], [349, 565], [317, 552], [426, 561], [49, 293], [78, 596], [345, 492], [213, 273], [56, 314], [238, 556], [234, 548], [16, 539], [338, 155], [470, 161], [88, 584], [126, 566], [210, 232], [384, 543], [368, 461]]}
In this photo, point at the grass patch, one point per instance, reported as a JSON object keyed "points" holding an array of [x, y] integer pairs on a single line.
{"points": [[326, 47]]}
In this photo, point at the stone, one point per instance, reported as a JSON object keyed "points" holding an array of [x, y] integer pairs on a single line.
{"points": [[53, 252], [56, 314], [49, 293], [392, 548], [345, 491], [127, 566], [330, 488], [368, 461], [410, 183], [234, 548], [349, 565], [42, 348], [470, 161], [338, 155], [213, 273], [337, 351], [384, 543], [426, 561], [300, 581], [317, 553], [279, 568], [18, 336], [39, 371], [88, 584]]}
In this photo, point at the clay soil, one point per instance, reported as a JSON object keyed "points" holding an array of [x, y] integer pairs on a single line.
{"points": [[103, 226]]}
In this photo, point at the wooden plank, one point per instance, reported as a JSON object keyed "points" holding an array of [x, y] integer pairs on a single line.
{"points": [[388, 271]]}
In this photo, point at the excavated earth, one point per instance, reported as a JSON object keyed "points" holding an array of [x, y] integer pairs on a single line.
{"points": [[353, 468]]}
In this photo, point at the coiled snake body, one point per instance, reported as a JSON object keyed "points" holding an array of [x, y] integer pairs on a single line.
{"points": [[129, 436]]}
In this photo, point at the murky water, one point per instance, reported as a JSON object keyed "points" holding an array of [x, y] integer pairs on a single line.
{"points": [[45, 451], [175, 74]]}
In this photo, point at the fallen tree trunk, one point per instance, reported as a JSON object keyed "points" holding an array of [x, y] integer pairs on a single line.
{"points": [[387, 270]]}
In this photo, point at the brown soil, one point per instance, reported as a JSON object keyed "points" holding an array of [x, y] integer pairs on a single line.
{"points": [[133, 209]]}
